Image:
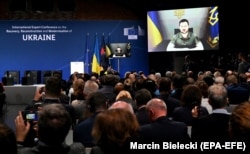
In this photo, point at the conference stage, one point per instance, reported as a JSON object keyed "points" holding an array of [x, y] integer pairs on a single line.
{"points": [[20, 94]]}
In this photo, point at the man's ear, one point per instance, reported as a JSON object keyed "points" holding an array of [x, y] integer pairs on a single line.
{"points": [[151, 113]]}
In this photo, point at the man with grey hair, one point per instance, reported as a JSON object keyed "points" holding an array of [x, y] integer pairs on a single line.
{"points": [[215, 125], [219, 80]]}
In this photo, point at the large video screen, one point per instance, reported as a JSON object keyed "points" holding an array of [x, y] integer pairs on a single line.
{"points": [[184, 29]]}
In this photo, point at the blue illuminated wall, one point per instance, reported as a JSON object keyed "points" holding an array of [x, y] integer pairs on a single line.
{"points": [[66, 42]]}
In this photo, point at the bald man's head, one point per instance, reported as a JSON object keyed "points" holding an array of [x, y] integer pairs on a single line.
{"points": [[122, 105]]}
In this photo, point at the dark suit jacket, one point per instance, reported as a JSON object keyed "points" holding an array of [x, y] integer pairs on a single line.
{"points": [[171, 103], [142, 116], [163, 129], [184, 114], [82, 131], [211, 127], [237, 94]]}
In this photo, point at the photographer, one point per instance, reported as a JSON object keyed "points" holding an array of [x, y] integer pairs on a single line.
{"points": [[52, 127], [52, 93]]}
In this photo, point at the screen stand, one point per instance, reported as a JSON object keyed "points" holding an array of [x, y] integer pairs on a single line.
{"points": [[118, 65], [118, 61]]}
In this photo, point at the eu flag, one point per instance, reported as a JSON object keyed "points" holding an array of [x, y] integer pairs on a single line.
{"points": [[86, 62], [96, 58], [154, 34], [213, 21]]}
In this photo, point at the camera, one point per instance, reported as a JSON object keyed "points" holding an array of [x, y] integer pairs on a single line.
{"points": [[30, 115]]}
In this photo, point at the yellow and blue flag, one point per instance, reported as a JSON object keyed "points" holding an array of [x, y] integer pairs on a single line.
{"points": [[154, 33], [213, 21], [96, 58]]}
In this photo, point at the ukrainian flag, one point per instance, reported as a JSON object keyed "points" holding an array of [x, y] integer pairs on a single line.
{"points": [[96, 58], [213, 21], [154, 34]]}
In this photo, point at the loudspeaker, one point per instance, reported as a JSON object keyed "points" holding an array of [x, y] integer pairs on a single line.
{"points": [[48, 73], [8, 81], [33, 76], [12, 74], [27, 81]]}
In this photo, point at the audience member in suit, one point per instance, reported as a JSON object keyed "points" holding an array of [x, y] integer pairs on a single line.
{"points": [[243, 64], [243, 81], [209, 79], [234, 90], [151, 85], [190, 66], [7, 139], [142, 96], [52, 92], [58, 74], [96, 103], [213, 127], [164, 86], [161, 127], [177, 86], [53, 126], [113, 131], [107, 83], [191, 97], [239, 125]]}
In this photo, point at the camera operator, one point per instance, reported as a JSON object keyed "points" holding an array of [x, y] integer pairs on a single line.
{"points": [[52, 127], [51, 93]]}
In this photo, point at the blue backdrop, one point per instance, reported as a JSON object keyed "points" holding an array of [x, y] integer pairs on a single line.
{"points": [[52, 45]]}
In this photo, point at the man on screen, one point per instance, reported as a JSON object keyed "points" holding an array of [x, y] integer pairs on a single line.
{"points": [[184, 39]]}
